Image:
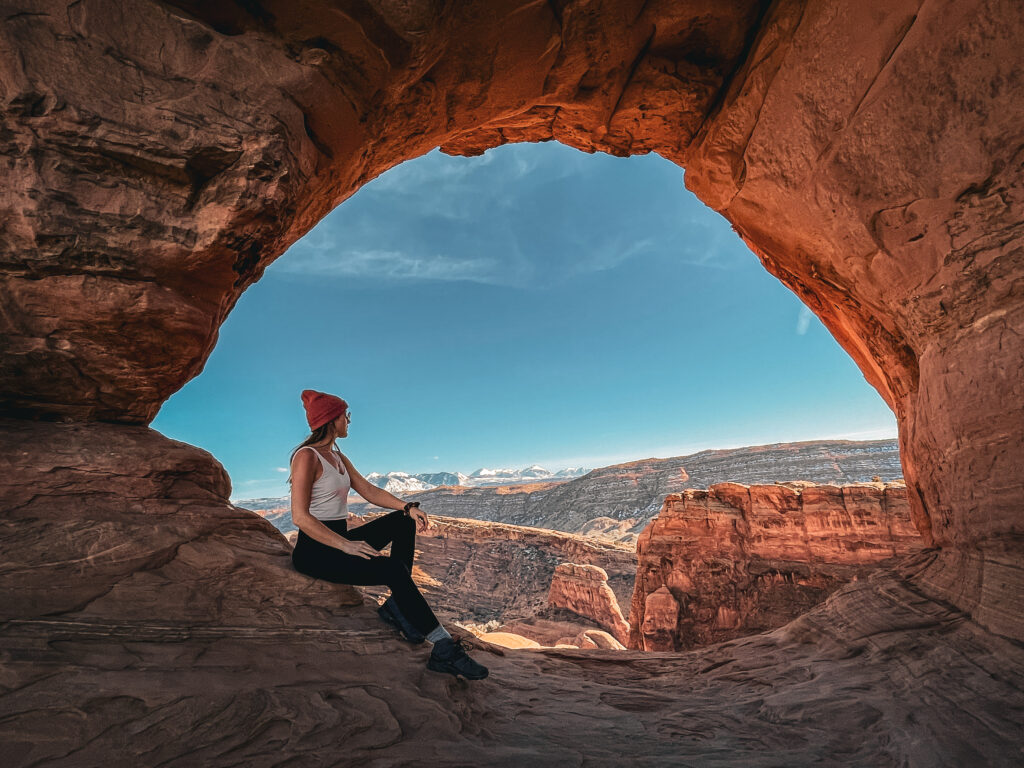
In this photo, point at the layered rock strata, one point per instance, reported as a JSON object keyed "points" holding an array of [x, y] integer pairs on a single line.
{"points": [[614, 503], [119, 522], [738, 559], [584, 590]]}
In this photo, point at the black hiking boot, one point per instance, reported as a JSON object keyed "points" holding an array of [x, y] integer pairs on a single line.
{"points": [[450, 656], [392, 615]]}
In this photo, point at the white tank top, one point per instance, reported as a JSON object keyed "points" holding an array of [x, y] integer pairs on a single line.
{"points": [[329, 499]]}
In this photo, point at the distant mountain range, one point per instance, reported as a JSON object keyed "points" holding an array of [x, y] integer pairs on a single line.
{"points": [[621, 499], [402, 482]]}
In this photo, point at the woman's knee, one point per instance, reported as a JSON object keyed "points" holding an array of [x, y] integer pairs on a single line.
{"points": [[394, 572]]}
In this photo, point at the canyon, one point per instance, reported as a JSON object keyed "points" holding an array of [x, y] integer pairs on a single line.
{"points": [[714, 565], [614, 503], [158, 156]]}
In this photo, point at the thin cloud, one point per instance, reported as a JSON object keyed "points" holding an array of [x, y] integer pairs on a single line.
{"points": [[803, 321], [396, 265]]}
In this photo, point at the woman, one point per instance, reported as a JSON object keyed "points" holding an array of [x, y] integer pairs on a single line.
{"points": [[321, 477]]}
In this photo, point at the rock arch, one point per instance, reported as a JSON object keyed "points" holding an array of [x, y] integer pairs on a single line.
{"points": [[159, 155]]}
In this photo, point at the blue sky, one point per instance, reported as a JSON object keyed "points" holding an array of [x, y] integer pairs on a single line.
{"points": [[533, 305]]}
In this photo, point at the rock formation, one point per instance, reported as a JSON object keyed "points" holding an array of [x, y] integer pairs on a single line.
{"points": [[593, 638], [159, 155], [877, 676], [738, 559], [584, 590]]}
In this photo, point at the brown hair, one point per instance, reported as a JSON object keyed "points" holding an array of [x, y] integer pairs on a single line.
{"points": [[317, 435]]}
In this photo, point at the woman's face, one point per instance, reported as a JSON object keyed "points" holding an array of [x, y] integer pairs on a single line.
{"points": [[341, 424]]}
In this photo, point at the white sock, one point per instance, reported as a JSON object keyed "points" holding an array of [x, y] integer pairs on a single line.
{"points": [[438, 633]]}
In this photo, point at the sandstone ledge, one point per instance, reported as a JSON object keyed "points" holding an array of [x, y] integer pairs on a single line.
{"points": [[862, 680]]}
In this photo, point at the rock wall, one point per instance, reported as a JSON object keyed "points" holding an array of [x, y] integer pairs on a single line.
{"points": [[160, 155], [871, 155], [86, 533], [584, 590], [738, 559]]}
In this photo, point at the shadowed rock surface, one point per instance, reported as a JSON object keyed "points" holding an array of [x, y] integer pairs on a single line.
{"points": [[879, 676]]}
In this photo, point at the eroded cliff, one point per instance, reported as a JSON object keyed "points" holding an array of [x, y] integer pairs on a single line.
{"points": [[736, 559]]}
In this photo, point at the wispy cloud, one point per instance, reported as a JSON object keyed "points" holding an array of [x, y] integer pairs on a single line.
{"points": [[396, 265], [803, 320], [522, 216]]}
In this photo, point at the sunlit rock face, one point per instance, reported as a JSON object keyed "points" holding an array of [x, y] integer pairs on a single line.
{"points": [[870, 154], [737, 559], [584, 590]]}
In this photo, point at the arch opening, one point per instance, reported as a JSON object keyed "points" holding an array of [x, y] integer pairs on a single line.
{"points": [[900, 236], [142, 200]]}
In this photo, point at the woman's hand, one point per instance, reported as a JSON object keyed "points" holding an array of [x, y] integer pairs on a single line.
{"points": [[359, 549], [422, 523]]}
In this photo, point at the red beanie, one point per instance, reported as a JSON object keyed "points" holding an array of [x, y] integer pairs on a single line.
{"points": [[321, 408]]}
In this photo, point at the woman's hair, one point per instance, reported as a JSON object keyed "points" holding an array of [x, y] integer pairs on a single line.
{"points": [[317, 435]]}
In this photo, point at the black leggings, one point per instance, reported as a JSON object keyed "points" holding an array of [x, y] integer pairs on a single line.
{"points": [[323, 562]]}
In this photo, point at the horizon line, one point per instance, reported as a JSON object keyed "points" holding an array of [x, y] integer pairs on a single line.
{"points": [[600, 462]]}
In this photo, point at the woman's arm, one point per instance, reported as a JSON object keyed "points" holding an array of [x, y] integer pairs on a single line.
{"points": [[304, 466], [379, 497]]}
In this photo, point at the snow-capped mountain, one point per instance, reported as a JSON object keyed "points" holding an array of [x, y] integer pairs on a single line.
{"points": [[444, 478], [402, 482], [399, 482], [531, 474]]}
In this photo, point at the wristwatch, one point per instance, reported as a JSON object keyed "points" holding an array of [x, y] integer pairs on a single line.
{"points": [[410, 505]]}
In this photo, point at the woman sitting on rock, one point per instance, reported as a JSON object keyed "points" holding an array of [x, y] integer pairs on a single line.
{"points": [[321, 477]]}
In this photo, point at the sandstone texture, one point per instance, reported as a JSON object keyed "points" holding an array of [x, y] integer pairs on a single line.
{"points": [[157, 156], [122, 523], [738, 559], [584, 590], [877, 676]]}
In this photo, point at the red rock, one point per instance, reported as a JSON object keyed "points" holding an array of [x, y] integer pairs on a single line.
{"points": [[595, 638], [584, 590], [659, 621], [158, 158], [509, 640], [736, 559]]}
